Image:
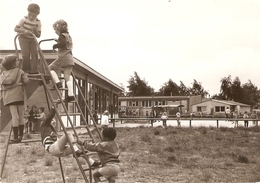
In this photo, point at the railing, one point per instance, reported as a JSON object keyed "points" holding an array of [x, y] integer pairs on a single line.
{"points": [[151, 120]]}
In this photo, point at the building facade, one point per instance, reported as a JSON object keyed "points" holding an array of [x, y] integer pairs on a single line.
{"points": [[100, 92], [141, 105], [218, 107]]}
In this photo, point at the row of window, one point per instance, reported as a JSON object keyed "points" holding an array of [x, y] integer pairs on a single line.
{"points": [[146, 103], [217, 108]]}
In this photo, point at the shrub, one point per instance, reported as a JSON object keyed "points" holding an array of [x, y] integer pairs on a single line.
{"points": [[243, 159], [48, 161], [204, 130], [146, 138], [156, 132], [169, 149], [171, 158], [19, 150], [33, 150]]}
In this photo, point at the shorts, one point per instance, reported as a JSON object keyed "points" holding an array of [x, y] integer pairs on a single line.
{"points": [[110, 171]]}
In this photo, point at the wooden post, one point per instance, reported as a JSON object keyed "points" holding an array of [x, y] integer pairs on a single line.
{"points": [[217, 123], [190, 122]]}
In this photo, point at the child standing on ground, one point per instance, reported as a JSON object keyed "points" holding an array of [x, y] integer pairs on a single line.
{"points": [[32, 118], [178, 117], [65, 58], [164, 118], [12, 82], [104, 120], [246, 116], [41, 115], [108, 151], [26, 116], [27, 26]]}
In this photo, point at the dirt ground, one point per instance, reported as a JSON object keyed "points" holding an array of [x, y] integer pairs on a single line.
{"points": [[151, 154]]}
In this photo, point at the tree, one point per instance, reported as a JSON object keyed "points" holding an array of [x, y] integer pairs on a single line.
{"points": [[250, 94], [123, 93], [183, 90], [169, 88], [225, 88], [138, 87], [197, 89], [236, 90]]}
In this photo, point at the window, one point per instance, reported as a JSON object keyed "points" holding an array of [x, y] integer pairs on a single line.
{"points": [[146, 103], [133, 103], [201, 108], [220, 108]]}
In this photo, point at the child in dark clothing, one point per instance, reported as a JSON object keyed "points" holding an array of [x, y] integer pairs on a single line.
{"points": [[108, 151], [12, 82]]}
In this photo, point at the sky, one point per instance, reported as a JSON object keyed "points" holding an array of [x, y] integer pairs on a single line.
{"points": [[182, 40]]}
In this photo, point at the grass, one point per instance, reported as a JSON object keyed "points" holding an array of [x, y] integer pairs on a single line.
{"points": [[153, 155]]}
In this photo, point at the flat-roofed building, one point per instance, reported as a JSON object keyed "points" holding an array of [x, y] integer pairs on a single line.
{"points": [[100, 92]]}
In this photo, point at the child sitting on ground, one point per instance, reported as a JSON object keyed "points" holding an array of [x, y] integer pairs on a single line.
{"points": [[108, 151], [12, 82]]}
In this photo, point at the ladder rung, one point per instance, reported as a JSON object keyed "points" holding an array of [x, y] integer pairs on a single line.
{"points": [[64, 114], [52, 89], [58, 101], [45, 76], [26, 141]]}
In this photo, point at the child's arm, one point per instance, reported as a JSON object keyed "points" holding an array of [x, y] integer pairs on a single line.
{"points": [[48, 119], [37, 30], [61, 42], [25, 78], [95, 147], [18, 27]]}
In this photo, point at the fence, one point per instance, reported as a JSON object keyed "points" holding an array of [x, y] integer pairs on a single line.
{"points": [[113, 120]]}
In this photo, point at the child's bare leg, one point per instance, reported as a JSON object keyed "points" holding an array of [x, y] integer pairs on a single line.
{"points": [[68, 79]]}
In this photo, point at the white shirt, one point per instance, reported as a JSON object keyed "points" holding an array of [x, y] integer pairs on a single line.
{"points": [[104, 120]]}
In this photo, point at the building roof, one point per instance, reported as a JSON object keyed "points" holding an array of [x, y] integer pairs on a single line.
{"points": [[227, 102], [49, 54], [155, 98]]}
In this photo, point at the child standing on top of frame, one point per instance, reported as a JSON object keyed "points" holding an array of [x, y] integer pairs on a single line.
{"points": [[65, 58], [12, 82], [27, 26]]}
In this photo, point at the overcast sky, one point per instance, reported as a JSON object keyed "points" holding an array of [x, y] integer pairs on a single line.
{"points": [[180, 40]]}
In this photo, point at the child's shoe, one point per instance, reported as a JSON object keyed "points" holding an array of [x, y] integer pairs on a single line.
{"points": [[70, 99], [96, 164]]}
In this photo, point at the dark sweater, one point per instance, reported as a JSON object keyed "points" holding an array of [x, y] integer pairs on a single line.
{"points": [[46, 128]]}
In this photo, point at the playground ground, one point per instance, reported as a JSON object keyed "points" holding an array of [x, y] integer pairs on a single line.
{"points": [[152, 155]]}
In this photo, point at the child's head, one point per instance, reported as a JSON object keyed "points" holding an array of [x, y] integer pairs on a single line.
{"points": [[33, 11], [9, 62], [34, 107], [41, 109], [60, 26], [106, 112], [53, 123], [109, 134]]}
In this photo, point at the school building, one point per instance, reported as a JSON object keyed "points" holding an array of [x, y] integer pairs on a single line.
{"points": [[100, 92], [143, 105]]}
